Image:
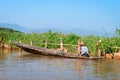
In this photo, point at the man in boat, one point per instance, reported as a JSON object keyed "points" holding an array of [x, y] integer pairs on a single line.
{"points": [[83, 50]]}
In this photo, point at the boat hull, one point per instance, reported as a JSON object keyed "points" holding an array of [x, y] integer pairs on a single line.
{"points": [[50, 52]]}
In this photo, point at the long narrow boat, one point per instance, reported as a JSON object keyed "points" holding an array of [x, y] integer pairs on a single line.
{"points": [[50, 52]]}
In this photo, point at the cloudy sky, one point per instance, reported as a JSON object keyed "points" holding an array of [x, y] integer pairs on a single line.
{"points": [[94, 15]]}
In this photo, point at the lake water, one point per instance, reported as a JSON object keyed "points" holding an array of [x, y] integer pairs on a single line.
{"points": [[16, 65]]}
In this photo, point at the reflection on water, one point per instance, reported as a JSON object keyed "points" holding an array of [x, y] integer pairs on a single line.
{"points": [[108, 69], [16, 65]]}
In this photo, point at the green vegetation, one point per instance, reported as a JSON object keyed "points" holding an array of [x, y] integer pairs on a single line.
{"points": [[39, 39], [7, 34]]}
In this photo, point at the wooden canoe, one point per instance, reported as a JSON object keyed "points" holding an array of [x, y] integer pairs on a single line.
{"points": [[50, 52]]}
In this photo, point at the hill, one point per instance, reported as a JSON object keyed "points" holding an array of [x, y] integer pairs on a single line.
{"points": [[13, 26], [78, 31], [8, 30]]}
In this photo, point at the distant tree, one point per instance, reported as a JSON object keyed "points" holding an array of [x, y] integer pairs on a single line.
{"points": [[118, 32]]}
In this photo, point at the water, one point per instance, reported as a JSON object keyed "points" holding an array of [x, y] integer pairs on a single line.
{"points": [[15, 65]]}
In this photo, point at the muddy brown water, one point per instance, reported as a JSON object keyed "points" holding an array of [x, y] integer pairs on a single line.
{"points": [[16, 65]]}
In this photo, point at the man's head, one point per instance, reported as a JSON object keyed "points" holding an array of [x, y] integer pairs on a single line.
{"points": [[81, 44]]}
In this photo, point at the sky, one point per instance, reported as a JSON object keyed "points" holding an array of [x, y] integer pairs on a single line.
{"points": [[93, 15]]}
